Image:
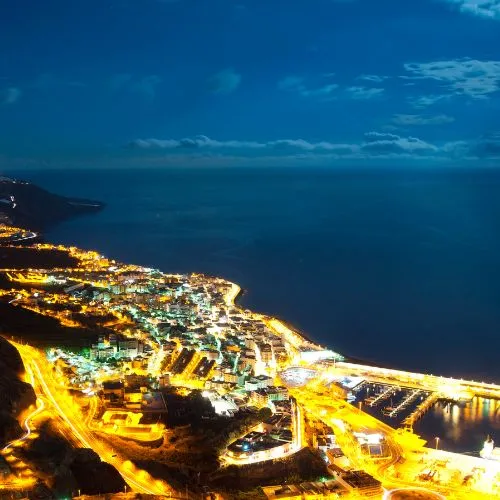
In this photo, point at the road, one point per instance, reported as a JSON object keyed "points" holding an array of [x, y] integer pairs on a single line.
{"points": [[61, 404], [231, 294], [39, 407], [278, 452], [21, 482]]}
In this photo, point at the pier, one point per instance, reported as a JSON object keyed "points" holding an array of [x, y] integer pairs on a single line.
{"points": [[451, 388], [420, 410], [406, 401], [383, 396]]}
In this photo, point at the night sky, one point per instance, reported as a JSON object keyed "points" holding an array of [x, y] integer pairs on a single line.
{"points": [[241, 83]]}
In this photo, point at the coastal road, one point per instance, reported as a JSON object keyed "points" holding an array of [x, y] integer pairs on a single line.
{"points": [[231, 294]]}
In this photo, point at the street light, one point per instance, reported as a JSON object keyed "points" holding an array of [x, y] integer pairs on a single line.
{"points": [[437, 442]]}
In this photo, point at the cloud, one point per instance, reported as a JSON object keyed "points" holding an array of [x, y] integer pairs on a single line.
{"points": [[364, 92], [422, 120], [325, 90], [297, 84], [120, 80], [145, 86], [427, 100], [202, 141], [470, 77], [373, 78], [482, 8], [309, 146], [374, 144], [293, 83], [11, 95], [378, 142], [224, 82], [487, 147]]}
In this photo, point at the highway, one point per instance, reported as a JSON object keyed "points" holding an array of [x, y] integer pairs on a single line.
{"points": [[39, 370]]}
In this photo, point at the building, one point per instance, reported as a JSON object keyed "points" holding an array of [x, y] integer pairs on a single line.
{"points": [[113, 391], [264, 396], [361, 483], [229, 376], [305, 491], [256, 383], [102, 353], [266, 353], [211, 355], [130, 348], [134, 380]]}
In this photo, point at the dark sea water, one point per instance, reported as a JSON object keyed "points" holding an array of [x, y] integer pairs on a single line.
{"points": [[398, 267], [401, 267]]}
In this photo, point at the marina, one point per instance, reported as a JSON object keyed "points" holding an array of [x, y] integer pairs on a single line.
{"points": [[458, 426]]}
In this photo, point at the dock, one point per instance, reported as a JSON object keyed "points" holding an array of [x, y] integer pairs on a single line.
{"points": [[406, 401], [420, 410], [383, 396]]}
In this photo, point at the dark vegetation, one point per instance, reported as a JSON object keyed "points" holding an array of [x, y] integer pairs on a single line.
{"points": [[27, 257], [15, 395], [214, 431], [196, 437], [68, 469], [305, 465], [42, 331], [37, 209]]}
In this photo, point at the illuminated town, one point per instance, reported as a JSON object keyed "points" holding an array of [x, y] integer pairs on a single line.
{"points": [[161, 339]]}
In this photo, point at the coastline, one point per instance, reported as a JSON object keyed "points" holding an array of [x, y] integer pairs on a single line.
{"points": [[381, 336], [232, 294], [297, 331]]}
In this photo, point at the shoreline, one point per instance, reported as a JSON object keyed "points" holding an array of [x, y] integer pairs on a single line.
{"points": [[232, 297], [238, 295], [297, 331]]}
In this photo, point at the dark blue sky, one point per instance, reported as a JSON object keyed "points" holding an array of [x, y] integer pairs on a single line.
{"points": [[240, 82]]}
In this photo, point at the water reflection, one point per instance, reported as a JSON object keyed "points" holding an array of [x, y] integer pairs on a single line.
{"points": [[464, 427]]}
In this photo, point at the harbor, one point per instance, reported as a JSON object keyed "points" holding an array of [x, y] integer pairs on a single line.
{"points": [[460, 426]]}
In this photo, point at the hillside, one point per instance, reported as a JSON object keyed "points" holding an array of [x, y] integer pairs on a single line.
{"points": [[15, 395], [23, 204]]}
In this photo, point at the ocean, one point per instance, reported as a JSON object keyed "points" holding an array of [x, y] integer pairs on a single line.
{"points": [[396, 266]]}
